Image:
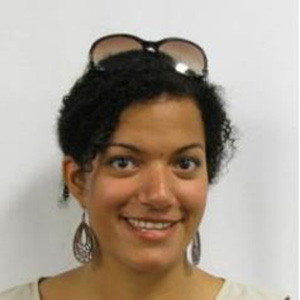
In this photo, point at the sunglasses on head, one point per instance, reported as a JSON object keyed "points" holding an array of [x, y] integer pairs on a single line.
{"points": [[187, 55]]}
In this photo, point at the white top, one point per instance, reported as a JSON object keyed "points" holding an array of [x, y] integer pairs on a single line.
{"points": [[229, 291]]}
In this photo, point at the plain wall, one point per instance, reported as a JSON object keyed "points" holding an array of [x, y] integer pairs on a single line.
{"points": [[249, 233]]}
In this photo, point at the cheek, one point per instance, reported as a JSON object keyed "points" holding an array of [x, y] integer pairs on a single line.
{"points": [[109, 193], [104, 201], [194, 194]]}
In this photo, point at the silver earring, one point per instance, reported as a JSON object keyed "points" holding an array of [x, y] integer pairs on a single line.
{"points": [[196, 249], [84, 242]]}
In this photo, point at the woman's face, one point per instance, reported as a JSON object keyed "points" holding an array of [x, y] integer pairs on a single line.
{"points": [[147, 192]]}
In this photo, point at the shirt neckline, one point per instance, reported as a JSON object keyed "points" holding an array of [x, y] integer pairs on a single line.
{"points": [[37, 293]]}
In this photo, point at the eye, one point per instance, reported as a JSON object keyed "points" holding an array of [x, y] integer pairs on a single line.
{"points": [[122, 163], [188, 164]]}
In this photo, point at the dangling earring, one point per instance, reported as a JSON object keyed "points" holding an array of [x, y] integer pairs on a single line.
{"points": [[196, 249], [64, 196], [65, 193], [84, 242]]}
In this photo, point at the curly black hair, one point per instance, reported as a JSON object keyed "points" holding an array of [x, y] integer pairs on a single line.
{"points": [[90, 112]]}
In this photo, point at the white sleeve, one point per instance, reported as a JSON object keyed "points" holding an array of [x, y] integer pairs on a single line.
{"points": [[238, 291]]}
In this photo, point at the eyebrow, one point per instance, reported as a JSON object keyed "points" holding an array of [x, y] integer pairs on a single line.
{"points": [[188, 147], [138, 150]]}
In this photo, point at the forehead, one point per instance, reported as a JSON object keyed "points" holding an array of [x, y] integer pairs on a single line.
{"points": [[164, 121]]}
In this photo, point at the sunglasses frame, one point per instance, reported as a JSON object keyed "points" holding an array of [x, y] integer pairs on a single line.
{"points": [[151, 46]]}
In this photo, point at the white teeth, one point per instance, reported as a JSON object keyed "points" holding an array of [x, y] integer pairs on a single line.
{"points": [[146, 225]]}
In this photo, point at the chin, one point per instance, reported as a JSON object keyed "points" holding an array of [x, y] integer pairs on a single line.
{"points": [[154, 263]]}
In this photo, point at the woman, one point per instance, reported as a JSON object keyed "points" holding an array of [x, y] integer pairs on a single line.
{"points": [[143, 134]]}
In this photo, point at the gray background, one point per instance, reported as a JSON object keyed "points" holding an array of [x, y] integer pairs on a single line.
{"points": [[249, 233]]}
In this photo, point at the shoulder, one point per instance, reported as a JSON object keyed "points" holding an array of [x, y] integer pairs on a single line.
{"points": [[27, 291], [238, 291]]}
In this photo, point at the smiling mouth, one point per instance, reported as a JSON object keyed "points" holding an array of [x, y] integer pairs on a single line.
{"points": [[145, 225]]}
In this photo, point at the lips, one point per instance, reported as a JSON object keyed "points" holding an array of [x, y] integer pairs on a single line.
{"points": [[144, 225], [151, 229]]}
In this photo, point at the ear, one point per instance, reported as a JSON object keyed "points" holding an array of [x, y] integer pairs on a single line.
{"points": [[74, 178]]}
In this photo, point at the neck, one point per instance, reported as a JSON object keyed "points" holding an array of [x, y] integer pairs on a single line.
{"points": [[117, 282]]}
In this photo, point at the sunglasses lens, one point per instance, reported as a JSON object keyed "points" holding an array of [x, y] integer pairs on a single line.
{"points": [[187, 55], [112, 46]]}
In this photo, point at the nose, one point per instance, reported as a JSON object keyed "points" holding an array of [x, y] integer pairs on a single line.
{"points": [[157, 188]]}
